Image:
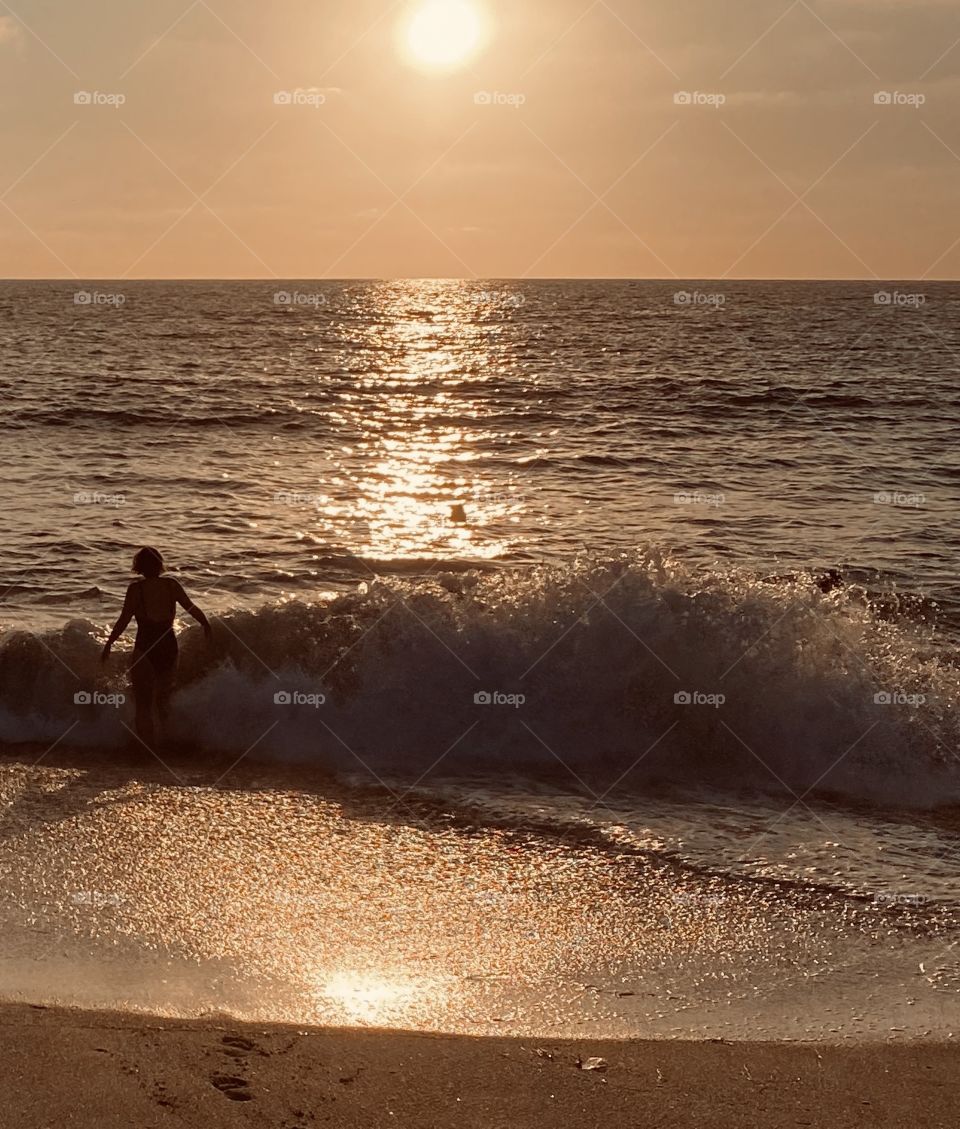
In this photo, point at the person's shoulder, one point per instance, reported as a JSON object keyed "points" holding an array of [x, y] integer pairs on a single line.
{"points": [[173, 583]]}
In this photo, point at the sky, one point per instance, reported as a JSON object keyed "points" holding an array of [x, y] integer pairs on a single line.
{"points": [[559, 138]]}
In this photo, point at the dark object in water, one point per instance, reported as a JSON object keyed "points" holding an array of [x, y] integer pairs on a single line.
{"points": [[458, 513]]}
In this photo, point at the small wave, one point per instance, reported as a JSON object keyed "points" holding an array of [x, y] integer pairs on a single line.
{"points": [[55, 417], [55, 598]]}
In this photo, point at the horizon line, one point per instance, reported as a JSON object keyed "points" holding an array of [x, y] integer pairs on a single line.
{"points": [[478, 279]]}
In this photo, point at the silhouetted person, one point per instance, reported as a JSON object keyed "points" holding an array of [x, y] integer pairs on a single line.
{"points": [[152, 601]]}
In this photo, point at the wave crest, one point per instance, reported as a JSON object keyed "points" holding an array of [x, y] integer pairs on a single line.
{"points": [[630, 670]]}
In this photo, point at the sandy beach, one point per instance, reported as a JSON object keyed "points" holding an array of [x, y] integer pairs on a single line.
{"points": [[108, 1069]]}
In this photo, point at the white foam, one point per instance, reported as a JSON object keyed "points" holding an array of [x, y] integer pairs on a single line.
{"points": [[599, 651]]}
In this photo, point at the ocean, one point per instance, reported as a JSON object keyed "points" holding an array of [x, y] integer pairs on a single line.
{"points": [[620, 617]]}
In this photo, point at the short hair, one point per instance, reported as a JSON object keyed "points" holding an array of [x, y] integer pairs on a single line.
{"points": [[148, 562]]}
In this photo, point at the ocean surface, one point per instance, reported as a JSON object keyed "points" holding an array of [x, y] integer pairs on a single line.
{"points": [[660, 576]]}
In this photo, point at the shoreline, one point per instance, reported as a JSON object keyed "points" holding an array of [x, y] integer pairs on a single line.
{"points": [[106, 1069], [280, 898]]}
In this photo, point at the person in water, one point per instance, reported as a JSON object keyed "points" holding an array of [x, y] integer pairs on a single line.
{"points": [[152, 601]]}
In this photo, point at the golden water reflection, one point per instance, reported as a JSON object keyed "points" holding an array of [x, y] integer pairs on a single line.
{"points": [[408, 485], [374, 998]]}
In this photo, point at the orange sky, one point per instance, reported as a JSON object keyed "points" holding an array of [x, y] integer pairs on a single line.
{"points": [[584, 165]]}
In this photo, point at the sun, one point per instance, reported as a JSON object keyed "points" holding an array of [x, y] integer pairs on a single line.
{"points": [[442, 35]]}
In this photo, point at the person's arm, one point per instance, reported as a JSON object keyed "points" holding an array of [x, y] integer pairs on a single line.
{"points": [[121, 625], [191, 608]]}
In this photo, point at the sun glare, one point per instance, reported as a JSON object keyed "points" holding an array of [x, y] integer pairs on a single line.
{"points": [[366, 997], [441, 35]]}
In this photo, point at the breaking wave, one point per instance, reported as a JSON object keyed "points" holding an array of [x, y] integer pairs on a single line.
{"points": [[632, 670]]}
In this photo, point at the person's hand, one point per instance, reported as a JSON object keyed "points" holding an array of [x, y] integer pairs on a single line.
{"points": [[105, 653]]}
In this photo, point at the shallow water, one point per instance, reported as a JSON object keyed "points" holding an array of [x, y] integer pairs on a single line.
{"points": [[327, 905]]}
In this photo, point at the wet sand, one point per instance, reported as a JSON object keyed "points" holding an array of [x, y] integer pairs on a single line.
{"points": [[124, 888], [110, 1070]]}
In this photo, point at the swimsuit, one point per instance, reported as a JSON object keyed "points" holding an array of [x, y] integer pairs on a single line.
{"points": [[157, 643]]}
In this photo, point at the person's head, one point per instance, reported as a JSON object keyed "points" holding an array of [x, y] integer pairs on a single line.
{"points": [[148, 562]]}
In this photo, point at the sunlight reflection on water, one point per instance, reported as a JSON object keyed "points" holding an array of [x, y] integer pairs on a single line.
{"points": [[380, 999], [402, 497]]}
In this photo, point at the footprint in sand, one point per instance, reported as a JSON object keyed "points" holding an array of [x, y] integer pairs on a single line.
{"points": [[239, 1042], [237, 1089], [232, 1087], [237, 1046]]}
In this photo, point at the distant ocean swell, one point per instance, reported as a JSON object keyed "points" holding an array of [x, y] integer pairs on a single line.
{"points": [[628, 671]]}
